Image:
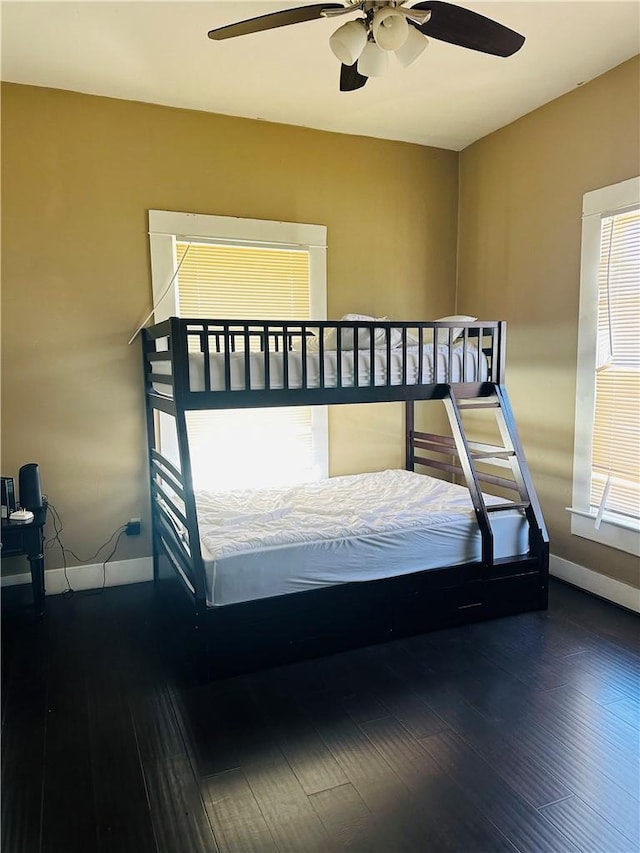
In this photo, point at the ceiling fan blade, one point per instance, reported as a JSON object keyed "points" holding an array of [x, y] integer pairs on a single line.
{"points": [[273, 20], [350, 78], [352, 7], [460, 26]]}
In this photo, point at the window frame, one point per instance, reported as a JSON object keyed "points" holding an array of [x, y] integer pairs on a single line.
{"points": [[615, 530], [167, 227]]}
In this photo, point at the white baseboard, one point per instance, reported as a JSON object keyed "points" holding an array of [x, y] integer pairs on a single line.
{"points": [[118, 572], [14, 580], [600, 585]]}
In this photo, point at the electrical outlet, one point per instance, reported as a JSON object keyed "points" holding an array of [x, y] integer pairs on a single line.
{"points": [[133, 527]]}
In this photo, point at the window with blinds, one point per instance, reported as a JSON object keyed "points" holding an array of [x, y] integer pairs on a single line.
{"points": [[248, 448], [242, 282], [615, 475], [605, 504]]}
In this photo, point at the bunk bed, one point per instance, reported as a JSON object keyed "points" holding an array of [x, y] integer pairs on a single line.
{"points": [[265, 586]]}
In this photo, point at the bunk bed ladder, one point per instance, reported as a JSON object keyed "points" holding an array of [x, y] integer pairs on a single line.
{"points": [[510, 454]]}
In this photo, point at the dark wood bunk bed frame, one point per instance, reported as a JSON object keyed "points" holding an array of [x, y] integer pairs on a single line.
{"points": [[233, 638]]}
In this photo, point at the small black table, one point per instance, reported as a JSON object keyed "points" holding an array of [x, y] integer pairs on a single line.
{"points": [[27, 539]]}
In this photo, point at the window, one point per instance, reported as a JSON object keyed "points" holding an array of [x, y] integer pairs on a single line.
{"points": [[234, 269], [606, 480]]}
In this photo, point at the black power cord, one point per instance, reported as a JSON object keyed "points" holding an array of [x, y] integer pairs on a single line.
{"points": [[58, 527]]}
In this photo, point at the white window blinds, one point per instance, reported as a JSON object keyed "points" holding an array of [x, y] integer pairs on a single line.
{"points": [[615, 476], [252, 448], [243, 282]]}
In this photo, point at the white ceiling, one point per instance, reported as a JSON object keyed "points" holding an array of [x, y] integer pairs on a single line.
{"points": [[158, 51]]}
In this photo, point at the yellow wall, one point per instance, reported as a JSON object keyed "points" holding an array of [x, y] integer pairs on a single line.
{"points": [[78, 176], [519, 260]]}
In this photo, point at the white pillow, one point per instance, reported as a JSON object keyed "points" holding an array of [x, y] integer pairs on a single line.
{"points": [[457, 318], [443, 334], [364, 335], [312, 340], [379, 335]]}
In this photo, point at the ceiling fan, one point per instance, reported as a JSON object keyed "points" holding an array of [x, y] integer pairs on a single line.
{"points": [[363, 45]]}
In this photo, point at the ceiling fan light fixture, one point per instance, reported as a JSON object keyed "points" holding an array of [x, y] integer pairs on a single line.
{"points": [[390, 28], [412, 48], [348, 41], [373, 62]]}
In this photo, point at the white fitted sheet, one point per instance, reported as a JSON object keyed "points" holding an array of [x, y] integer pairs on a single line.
{"points": [[466, 365], [258, 544]]}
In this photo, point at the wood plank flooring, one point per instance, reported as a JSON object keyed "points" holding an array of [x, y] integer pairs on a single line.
{"points": [[520, 734]]}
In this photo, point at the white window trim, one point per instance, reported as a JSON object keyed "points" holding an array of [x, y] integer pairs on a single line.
{"points": [[616, 531], [166, 227]]}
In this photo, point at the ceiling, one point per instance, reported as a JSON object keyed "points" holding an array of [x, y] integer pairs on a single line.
{"points": [[157, 51]]}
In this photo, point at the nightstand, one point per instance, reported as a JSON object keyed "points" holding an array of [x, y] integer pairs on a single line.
{"points": [[27, 539]]}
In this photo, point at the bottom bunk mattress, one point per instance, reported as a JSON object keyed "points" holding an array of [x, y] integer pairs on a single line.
{"points": [[263, 543]]}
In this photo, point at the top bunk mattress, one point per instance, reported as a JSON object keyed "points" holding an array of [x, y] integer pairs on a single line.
{"points": [[457, 363], [261, 543]]}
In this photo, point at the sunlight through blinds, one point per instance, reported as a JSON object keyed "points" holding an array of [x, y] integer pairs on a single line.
{"points": [[616, 441], [247, 448]]}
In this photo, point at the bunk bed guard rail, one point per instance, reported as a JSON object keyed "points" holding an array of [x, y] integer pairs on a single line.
{"points": [[203, 361]]}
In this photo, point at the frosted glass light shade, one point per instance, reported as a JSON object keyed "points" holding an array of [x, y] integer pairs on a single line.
{"points": [[412, 48], [373, 61], [348, 41], [390, 28]]}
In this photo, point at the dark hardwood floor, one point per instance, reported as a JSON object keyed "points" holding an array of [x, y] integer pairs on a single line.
{"points": [[520, 734]]}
